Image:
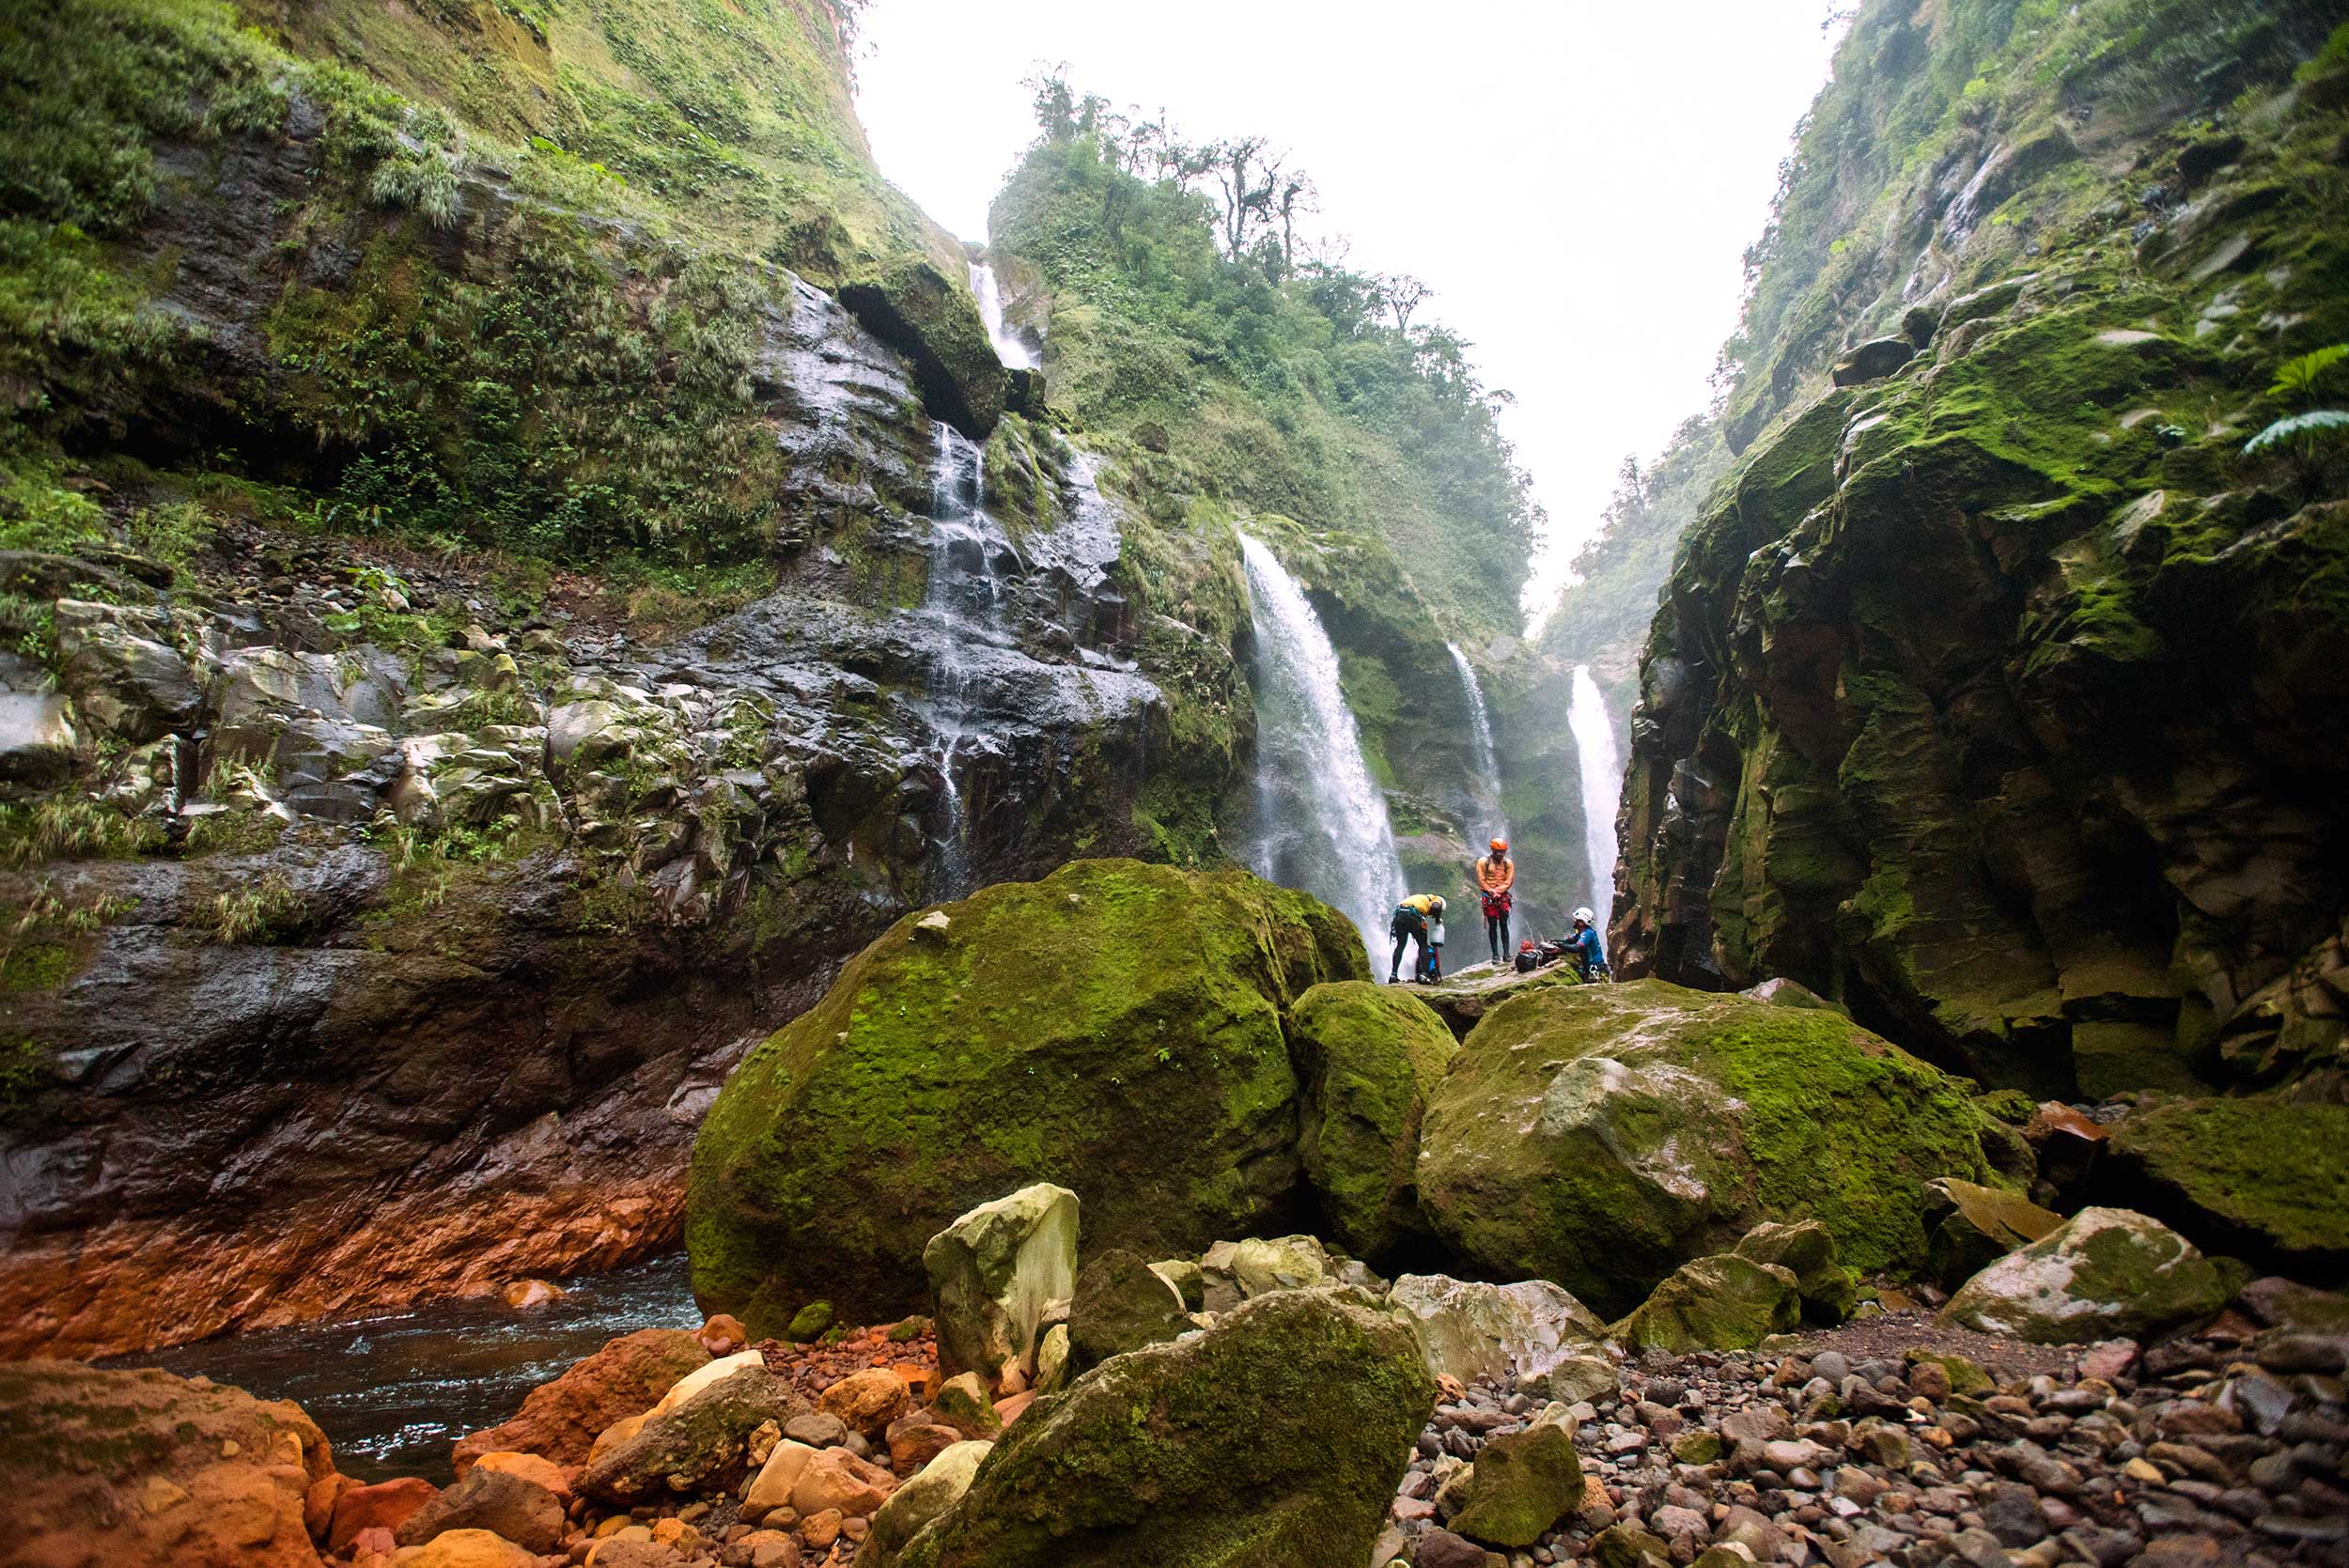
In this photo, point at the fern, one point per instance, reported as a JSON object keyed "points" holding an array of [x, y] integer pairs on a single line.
{"points": [[2298, 378], [2309, 427]]}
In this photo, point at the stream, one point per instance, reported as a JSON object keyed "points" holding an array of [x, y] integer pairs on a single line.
{"points": [[393, 1392]]}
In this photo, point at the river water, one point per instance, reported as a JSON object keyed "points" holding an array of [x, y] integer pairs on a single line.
{"points": [[393, 1392]]}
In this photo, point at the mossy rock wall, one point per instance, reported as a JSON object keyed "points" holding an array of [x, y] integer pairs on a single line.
{"points": [[2001, 695], [1600, 1136], [1115, 1028]]}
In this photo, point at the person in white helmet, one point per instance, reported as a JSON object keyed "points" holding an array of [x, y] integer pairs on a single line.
{"points": [[1583, 946]]}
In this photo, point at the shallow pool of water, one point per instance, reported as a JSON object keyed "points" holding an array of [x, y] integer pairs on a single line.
{"points": [[393, 1392]]}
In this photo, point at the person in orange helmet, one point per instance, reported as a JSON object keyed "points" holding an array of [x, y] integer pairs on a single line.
{"points": [[1496, 876]]}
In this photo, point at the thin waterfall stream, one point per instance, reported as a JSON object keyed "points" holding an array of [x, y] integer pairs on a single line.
{"points": [[1492, 822], [1009, 346], [964, 595], [1321, 819], [1602, 784]]}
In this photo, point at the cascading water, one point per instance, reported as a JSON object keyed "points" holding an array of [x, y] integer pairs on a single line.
{"points": [[962, 592], [1321, 819], [1602, 784], [1491, 821], [1009, 347]]}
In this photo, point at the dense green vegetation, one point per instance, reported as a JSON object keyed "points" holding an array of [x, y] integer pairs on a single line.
{"points": [[1193, 333], [578, 391]]}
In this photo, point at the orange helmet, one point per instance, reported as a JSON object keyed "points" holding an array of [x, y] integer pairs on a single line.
{"points": [[1501, 846]]}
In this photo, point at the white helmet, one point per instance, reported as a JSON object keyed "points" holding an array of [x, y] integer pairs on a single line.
{"points": [[1583, 916]]}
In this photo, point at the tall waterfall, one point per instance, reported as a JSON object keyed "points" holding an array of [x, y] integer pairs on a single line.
{"points": [[1321, 819], [1009, 347], [1493, 822], [1602, 784], [963, 593]]}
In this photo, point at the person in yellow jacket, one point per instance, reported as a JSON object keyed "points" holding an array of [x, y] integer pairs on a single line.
{"points": [[1413, 918], [1496, 876]]}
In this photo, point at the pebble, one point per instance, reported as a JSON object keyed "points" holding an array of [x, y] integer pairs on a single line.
{"points": [[2105, 1455]]}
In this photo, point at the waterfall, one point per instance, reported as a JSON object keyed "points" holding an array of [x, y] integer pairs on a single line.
{"points": [[1009, 347], [1602, 785], [963, 594], [1321, 819], [1494, 824]]}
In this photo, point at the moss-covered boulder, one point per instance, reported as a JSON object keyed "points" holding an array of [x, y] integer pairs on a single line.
{"points": [[2104, 1273], [1601, 1136], [1369, 1056], [1977, 1226], [2263, 1177], [703, 1442], [1524, 1483], [1121, 1304], [1278, 1435], [1726, 1302], [1114, 1028], [934, 322], [1807, 1250]]}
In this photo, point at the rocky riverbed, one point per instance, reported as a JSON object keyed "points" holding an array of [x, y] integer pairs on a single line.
{"points": [[1901, 1440]]}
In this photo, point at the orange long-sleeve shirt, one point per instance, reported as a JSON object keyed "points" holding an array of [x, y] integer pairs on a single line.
{"points": [[1496, 874]]}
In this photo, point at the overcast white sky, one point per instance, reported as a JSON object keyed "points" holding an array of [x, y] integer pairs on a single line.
{"points": [[1576, 182]]}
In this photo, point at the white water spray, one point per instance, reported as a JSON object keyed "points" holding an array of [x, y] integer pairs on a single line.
{"points": [[1602, 785], [1009, 346], [1321, 819], [1494, 823]]}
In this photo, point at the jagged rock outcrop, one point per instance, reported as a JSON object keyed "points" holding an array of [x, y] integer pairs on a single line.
{"points": [[1997, 694]]}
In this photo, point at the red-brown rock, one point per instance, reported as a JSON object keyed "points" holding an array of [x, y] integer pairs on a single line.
{"points": [[869, 1401], [104, 1469], [723, 1335], [836, 1479], [385, 1505], [562, 1420]]}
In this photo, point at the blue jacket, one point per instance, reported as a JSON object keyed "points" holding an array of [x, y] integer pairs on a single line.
{"points": [[1586, 944]]}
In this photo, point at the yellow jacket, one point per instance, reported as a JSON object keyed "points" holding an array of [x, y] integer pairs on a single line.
{"points": [[1429, 904], [1496, 875]]}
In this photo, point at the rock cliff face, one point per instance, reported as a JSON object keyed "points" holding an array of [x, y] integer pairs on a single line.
{"points": [[386, 928], [1997, 692]]}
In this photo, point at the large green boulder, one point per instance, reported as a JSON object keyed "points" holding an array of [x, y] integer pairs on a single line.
{"points": [[2104, 1274], [1114, 1029], [2263, 1177], [1600, 1136], [1369, 1056], [1277, 1436]]}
